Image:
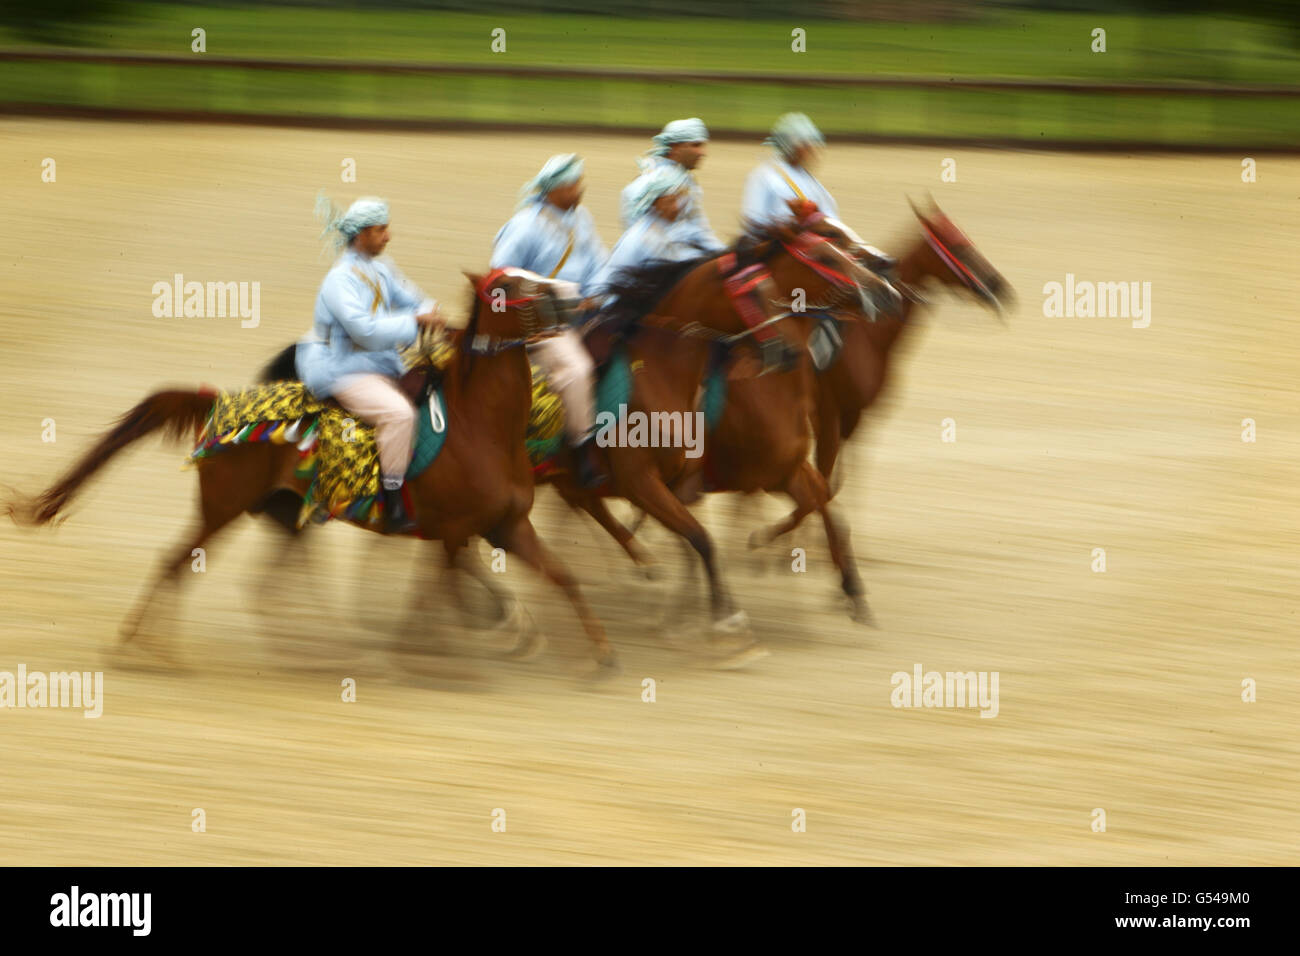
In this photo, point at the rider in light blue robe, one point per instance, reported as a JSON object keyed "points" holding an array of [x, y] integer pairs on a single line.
{"points": [[680, 144], [786, 176]]}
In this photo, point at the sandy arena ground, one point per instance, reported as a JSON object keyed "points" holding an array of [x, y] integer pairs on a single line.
{"points": [[1119, 690]]}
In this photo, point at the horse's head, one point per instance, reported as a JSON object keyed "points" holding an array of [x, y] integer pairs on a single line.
{"points": [[951, 258], [514, 305]]}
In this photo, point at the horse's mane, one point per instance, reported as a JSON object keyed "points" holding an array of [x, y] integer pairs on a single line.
{"points": [[639, 289], [462, 342]]}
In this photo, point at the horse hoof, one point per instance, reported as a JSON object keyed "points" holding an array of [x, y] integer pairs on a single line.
{"points": [[860, 612], [757, 540], [742, 658], [604, 666], [530, 646], [653, 572], [737, 623]]}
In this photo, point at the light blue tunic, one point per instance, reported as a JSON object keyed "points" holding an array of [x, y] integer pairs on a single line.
{"points": [[767, 192], [357, 331], [537, 235], [693, 222], [650, 237]]}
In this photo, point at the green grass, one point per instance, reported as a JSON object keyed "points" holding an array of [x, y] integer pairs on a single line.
{"points": [[1004, 44]]}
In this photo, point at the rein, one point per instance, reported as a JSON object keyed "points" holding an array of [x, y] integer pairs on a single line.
{"points": [[806, 241]]}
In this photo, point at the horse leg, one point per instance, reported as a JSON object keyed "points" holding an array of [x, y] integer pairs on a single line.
{"points": [[675, 609], [808, 488], [511, 619], [466, 561], [521, 539], [270, 587], [654, 497], [217, 509], [805, 506], [229, 485], [837, 536], [595, 506], [827, 436]]}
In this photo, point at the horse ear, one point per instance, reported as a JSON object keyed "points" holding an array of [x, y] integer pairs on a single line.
{"points": [[475, 278], [916, 210]]}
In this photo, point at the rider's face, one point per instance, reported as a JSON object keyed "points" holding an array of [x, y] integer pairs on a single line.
{"points": [[808, 156], [373, 239], [688, 155], [567, 196]]}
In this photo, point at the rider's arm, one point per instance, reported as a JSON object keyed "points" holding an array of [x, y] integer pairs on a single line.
{"points": [[349, 299], [515, 243], [698, 232], [405, 294], [756, 207], [595, 255]]}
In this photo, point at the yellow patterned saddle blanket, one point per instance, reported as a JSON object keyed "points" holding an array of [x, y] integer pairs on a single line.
{"points": [[337, 454]]}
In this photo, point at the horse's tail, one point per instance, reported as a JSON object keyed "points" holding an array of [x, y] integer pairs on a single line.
{"points": [[176, 412], [282, 368]]}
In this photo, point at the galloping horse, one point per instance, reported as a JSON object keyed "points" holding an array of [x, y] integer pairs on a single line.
{"points": [[942, 254], [481, 484], [841, 392], [678, 313]]}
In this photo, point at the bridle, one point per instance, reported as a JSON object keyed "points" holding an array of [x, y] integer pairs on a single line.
{"points": [[536, 307], [949, 258]]}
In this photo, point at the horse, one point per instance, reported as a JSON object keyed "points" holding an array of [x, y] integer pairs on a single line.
{"points": [[481, 484], [678, 315], [942, 254]]}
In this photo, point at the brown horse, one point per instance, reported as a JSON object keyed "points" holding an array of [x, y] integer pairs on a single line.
{"points": [[674, 334], [481, 483], [942, 255]]}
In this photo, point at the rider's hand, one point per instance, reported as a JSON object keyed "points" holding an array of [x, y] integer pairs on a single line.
{"points": [[433, 319]]}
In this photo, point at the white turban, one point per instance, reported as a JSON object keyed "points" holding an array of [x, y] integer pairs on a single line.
{"points": [[366, 211], [690, 130], [792, 131], [559, 171], [668, 178]]}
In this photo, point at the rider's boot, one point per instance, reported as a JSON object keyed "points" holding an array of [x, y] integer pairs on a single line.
{"points": [[396, 519], [590, 472]]}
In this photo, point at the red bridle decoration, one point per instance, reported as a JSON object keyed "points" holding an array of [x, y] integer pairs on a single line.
{"points": [[482, 289], [799, 249], [970, 279]]}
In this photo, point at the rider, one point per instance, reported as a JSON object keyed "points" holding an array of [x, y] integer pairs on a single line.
{"points": [[365, 312], [553, 236], [787, 179], [681, 144], [657, 205], [788, 175]]}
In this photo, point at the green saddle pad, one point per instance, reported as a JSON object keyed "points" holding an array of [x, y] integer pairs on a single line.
{"points": [[615, 389], [431, 435]]}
